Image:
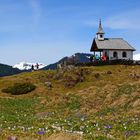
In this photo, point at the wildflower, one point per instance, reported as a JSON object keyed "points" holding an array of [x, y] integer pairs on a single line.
{"points": [[97, 125], [41, 132], [13, 128], [90, 133], [124, 124], [136, 119], [81, 127], [24, 128], [130, 133], [78, 132], [82, 119], [98, 128], [125, 127], [69, 123], [107, 126], [32, 127]]}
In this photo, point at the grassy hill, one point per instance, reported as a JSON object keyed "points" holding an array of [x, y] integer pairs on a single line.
{"points": [[74, 104]]}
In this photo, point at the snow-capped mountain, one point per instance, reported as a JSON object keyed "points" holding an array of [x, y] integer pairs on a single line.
{"points": [[27, 65], [136, 57]]}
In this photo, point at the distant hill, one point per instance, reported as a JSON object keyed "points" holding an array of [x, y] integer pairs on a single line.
{"points": [[6, 70], [77, 57]]}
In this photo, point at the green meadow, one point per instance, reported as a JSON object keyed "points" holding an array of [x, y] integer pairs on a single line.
{"points": [[77, 103]]}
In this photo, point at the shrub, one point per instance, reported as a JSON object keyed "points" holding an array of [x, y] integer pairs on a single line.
{"points": [[19, 88]]}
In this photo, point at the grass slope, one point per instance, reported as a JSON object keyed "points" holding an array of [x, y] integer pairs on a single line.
{"points": [[78, 103]]}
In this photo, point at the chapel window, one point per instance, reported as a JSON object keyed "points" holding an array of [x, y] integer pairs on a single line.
{"points": [[115, 54], [124, 54]]}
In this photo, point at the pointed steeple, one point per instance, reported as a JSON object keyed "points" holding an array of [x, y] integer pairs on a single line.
{"points": [[100, 29], [100, 33]]}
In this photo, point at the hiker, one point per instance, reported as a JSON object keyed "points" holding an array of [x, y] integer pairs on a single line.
{"points": [[32, 67], [37, 66]]}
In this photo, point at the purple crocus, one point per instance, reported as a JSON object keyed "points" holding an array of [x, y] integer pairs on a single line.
{"points": [[130, 133], [41, 132], [108, 126]]}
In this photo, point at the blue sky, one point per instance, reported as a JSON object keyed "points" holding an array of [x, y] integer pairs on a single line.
{"points": [[47, 30]]}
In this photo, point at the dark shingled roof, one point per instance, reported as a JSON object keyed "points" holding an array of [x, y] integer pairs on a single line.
{"points": [[111, 44]]}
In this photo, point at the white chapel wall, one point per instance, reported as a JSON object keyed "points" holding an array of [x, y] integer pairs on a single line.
{"points": [[119, 52]]}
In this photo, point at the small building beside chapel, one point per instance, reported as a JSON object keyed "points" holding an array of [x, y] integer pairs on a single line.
{"points": [[111, 48]]}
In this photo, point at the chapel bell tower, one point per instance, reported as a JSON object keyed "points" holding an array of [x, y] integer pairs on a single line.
{"points": [[100, 33]]}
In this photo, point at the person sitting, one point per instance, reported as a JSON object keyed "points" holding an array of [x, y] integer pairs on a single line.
{"points": [[97, 57], [104, 58]]}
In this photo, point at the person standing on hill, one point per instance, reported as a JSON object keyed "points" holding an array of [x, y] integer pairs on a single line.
{"points": [[37, 66], [32, 67]]}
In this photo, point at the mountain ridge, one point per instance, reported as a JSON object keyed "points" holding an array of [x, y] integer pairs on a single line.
{"points": [[6, 70], [77, 57]]}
